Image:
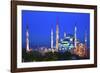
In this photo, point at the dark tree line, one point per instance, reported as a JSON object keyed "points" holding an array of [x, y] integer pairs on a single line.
{"points": [[49, 56]]}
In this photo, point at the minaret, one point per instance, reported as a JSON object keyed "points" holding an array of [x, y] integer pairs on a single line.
{"points": [[27, 40], [64, 34], [75, 41], [57, 36], [85, 44], [52, 38], [85, 39]]}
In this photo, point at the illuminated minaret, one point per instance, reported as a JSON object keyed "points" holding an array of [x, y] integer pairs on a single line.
{"points": [[52, 38], [64, 34], [57, 36], [27, 40], [85, 39], [75, 41]]}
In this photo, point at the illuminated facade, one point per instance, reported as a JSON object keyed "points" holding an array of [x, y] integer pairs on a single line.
{"points": [[66, 44], [81, 49]]}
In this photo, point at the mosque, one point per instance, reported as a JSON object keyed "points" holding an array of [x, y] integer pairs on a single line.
{"points": [[68, 43]]}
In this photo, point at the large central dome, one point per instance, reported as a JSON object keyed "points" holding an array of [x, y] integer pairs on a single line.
{"points": [[66, 43]]}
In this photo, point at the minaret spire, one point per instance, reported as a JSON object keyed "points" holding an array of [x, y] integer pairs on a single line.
{"points": [[85, 38], [57, 35], [27, 39], [64, 34], [75, 41], [52, 38]]}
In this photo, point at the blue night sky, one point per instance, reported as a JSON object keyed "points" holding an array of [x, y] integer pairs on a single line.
{"points": [[40, 24]]}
